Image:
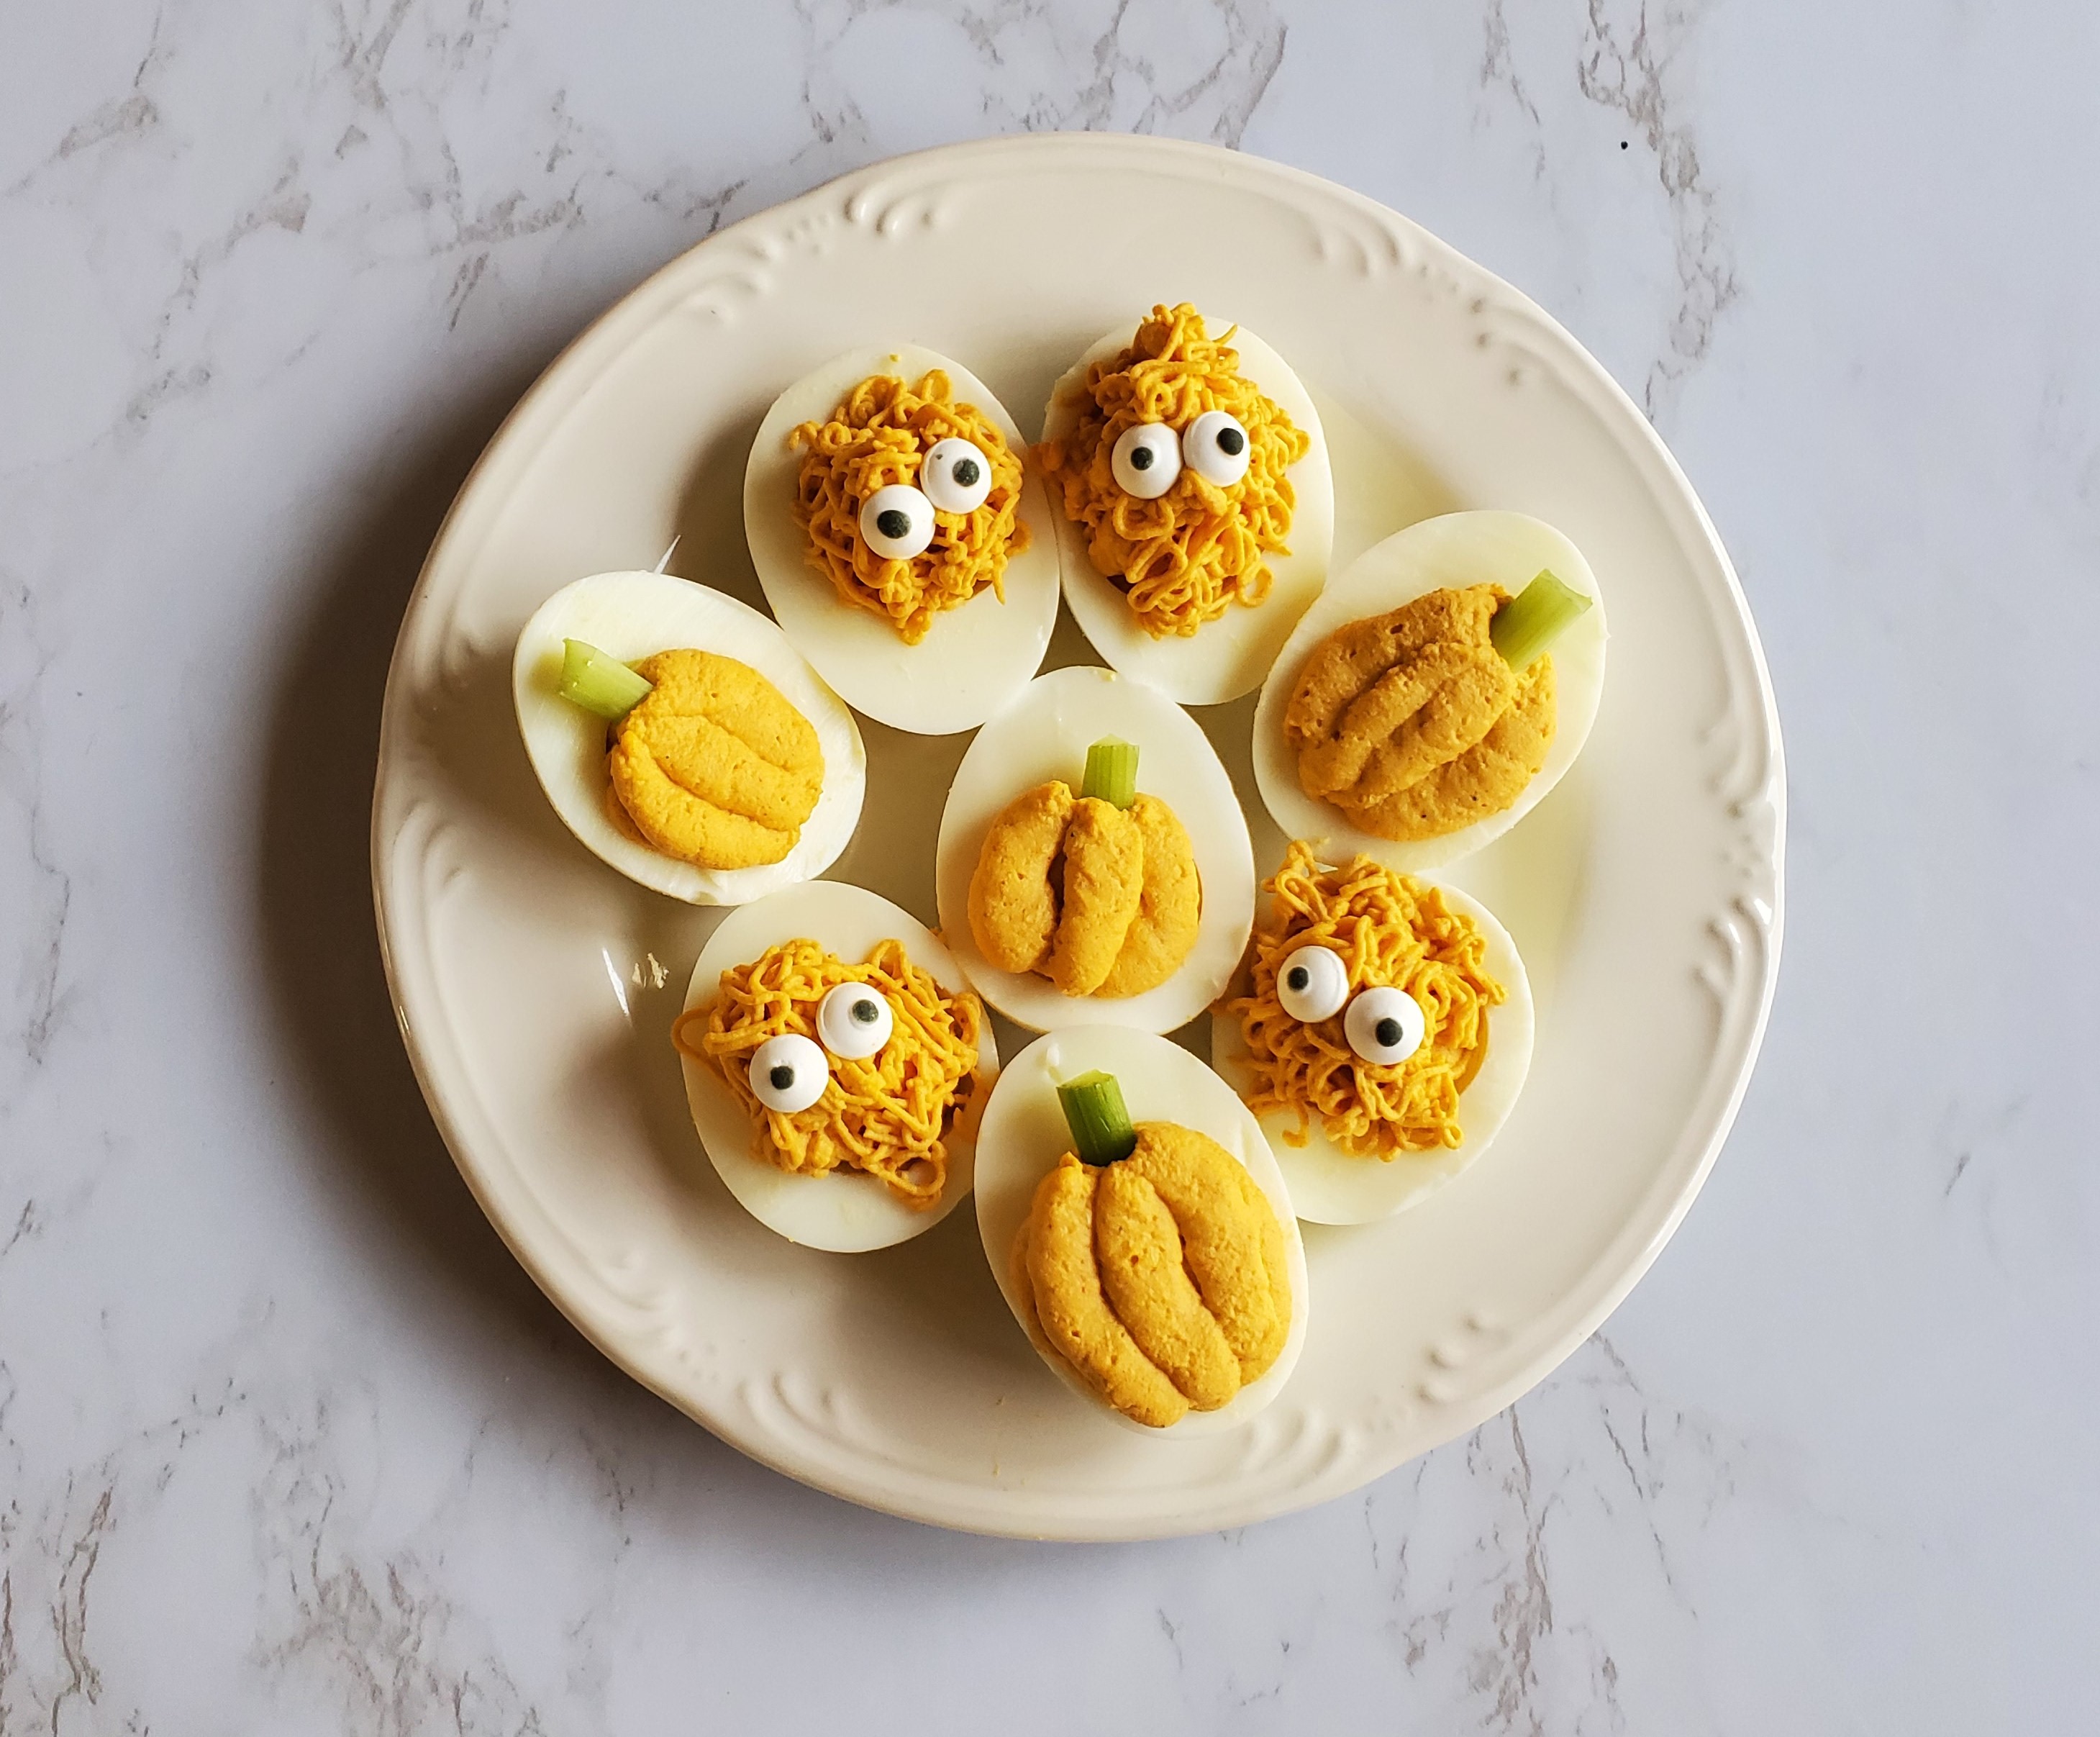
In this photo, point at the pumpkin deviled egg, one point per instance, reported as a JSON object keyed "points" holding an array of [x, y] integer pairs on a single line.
{"points": [[835, 1067], [1140, 1230], [1196, 501], [1382, 1035], [1093, 864], [1435, 693], [683, 740], [901, 540]]}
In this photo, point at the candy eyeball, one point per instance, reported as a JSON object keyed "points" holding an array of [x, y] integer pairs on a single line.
{"points": [[788, 1073], [1146, 459], [956, 475], [897, 522], [1216, 448], [1313, 984], [854, 1021], [1384, 1026]]}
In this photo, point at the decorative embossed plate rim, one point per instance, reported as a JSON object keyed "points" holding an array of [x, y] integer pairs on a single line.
{"points": [[1646, 892]]}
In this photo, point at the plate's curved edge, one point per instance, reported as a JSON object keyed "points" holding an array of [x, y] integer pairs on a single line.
{"points": [[1392, 242]]}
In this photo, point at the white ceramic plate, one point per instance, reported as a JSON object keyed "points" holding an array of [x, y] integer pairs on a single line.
{"points": [[1024, 1134], [536, 987], [1044, 734]]}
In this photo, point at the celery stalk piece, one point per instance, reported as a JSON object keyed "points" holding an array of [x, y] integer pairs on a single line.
{"points": [[599, 683], [1534, 618], [1111, 771], [1101, 1131]]}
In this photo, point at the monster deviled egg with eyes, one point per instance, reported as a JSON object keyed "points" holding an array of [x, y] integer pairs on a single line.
{"points": [[836, 1065], [1195, 503], [1141, 1230], [901, 540], [1382, 1033], [1093, 865], [682, 739], [1435, 692]]}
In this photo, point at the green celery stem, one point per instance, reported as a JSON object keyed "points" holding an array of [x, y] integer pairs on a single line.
{"points": [[1530, 621], [1111, 772], [599, 683], [1101, 1130]]}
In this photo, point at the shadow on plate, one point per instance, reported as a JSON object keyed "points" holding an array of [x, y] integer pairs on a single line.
{"points": [[327, 992], [320, 948], [326, 986]]}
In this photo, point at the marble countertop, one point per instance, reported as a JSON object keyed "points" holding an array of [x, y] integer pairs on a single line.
{"points": [[288, 1443]]}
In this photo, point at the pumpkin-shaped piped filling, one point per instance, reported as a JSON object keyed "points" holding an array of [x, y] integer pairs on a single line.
{"points": [[713, 764], [1159, 1277], [1098, 893], [1434, 715]]}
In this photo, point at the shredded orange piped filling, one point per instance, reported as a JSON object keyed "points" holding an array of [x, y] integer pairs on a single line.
{"points": [[890, 1114], [1186, 557], [878, 435], [1388, 929]]}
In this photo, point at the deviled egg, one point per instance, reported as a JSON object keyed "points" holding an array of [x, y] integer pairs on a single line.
{"points": [[1194, 499], [1435, 692], [902, 540], [836, 1066], [1140, 1230], [1382, 1033], [1154, 876], [683, 740]]}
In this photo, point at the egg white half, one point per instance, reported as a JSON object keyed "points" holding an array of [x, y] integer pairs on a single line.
{"points": [[845, 1212], [1453, 550], [1329, 1185], [975, 655], [1024, 1134], [631, 616], [1044, 734], [1226, 657]]}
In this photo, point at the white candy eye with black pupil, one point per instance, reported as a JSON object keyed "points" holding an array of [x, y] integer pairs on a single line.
{"points": [[1385, 1026], [788, 1073], [854, 1021], [897, 522], [1312, 983], [956, 475], [1216, 448], [1146, 460]]}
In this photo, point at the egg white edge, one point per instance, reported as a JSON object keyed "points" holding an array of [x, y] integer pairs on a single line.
{"points": [[1329, 1185], [974, 656], [1007, 1182], [848, 921], [1426, 557], [566, 744], [1229, 657], [1021, 748]]}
